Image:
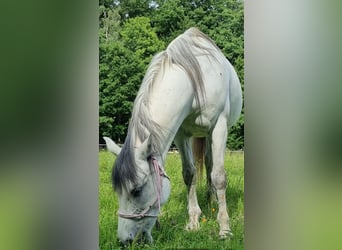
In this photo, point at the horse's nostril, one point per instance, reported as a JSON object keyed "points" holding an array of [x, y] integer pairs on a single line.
{"points": [[130, 239], [126, 243]]}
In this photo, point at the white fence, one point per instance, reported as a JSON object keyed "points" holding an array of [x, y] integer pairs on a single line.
{"points": [[174, 150]]}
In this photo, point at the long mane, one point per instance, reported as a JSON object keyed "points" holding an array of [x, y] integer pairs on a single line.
{"points": [[181, 52]]}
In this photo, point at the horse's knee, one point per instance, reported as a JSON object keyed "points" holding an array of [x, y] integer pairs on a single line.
{"points": [[219, 179]]}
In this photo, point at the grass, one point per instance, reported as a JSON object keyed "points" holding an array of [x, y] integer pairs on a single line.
{"points": [[171, 234]]}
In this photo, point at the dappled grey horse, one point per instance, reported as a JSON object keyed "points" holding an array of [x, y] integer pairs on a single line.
{"points": [[190, 91]]}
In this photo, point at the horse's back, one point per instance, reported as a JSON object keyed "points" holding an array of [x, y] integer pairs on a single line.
{"points": [[196, 106]]}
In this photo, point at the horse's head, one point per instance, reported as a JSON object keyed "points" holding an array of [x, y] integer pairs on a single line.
{"points": [[142, 187]]}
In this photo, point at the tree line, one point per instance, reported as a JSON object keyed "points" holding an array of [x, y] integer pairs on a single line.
{"points": [[132, 31]]}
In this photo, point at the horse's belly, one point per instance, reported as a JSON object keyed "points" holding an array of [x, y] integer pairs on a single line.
{"points": [[199, 125]]}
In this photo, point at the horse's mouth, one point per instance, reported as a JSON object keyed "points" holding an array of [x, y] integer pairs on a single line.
{"points": [[141, 238]]}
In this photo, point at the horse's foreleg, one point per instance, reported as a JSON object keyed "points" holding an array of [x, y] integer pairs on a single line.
{"points": [[189, 177], [218, 174], [194, 209]]}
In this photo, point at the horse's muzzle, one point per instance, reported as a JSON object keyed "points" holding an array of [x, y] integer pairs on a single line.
{"points": [[139, 239]]}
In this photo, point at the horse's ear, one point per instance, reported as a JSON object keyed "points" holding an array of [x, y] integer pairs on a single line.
{"points": [[112, 146], [145, 148]]}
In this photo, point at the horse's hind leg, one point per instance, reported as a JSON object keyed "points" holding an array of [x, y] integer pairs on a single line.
{"points": [[183, 144], [218, 174]]}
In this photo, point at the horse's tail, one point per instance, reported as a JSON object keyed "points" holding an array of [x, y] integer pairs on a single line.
{"points": [[198, 149]]}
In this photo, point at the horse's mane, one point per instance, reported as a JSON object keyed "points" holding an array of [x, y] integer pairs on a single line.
{"points": [[181, 52]]}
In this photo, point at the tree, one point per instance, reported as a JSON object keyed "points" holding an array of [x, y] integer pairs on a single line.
{"points": [[123, 62], [117, 88], [135, 8], [138, 36], [109, 24], [169, 19]]}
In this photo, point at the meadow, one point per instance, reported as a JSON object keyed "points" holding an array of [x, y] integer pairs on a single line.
{"points": [[171, 233]]}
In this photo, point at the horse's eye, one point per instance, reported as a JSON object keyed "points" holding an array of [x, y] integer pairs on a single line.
{"points": [[136, 192]]}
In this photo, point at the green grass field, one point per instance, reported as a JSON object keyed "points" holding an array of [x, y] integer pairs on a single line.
{"points": [[171, 234]]}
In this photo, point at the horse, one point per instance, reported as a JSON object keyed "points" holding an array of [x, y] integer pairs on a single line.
{"points": [[190, 94]]}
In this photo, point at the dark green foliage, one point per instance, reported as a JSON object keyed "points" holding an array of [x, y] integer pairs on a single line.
{"points": [[236, 135], [120, 73], [109, 24], [132, 31], [170, 20], [138, 36], [135, 8]]}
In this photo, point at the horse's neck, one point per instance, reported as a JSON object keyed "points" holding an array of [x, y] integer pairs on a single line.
{"points": [[166, 145], [169, 102]]}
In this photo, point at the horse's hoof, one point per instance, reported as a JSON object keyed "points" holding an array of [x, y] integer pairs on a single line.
{"points": [[225, 234], [192, 226]]}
